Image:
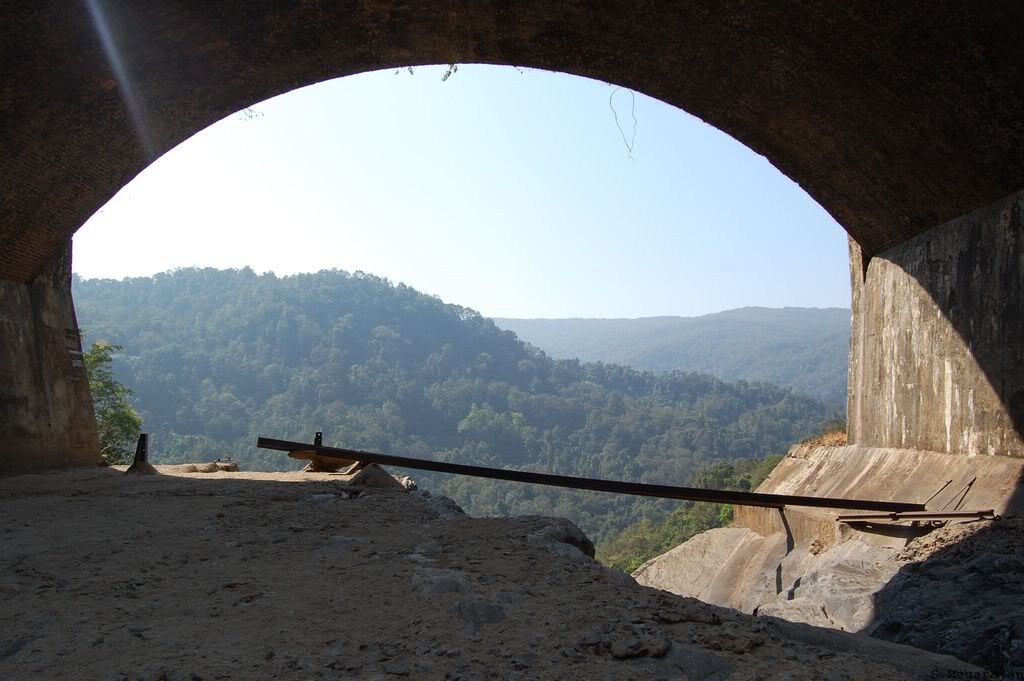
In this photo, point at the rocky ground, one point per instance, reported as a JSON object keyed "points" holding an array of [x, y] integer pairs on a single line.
{"points": [[957, 591], [953, 588], [960, 591], [302, 576]]}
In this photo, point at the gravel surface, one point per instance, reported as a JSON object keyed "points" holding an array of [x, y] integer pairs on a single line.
{"points": [[300, 576]]}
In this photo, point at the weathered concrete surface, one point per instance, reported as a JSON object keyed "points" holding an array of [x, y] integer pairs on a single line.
{"points": [[46, 414], [766, 552], [937, 345], [894, 116], [884, 474], [938, 591]]}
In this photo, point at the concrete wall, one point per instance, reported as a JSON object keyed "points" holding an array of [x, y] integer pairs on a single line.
{"points": [[937, 344], [46, 413]]}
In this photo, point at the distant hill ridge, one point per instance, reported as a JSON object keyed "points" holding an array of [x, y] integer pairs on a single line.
{"points": [[219, 357], [805, 349]]}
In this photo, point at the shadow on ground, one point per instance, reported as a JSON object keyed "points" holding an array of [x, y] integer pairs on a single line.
{"points": [[965, 600]]}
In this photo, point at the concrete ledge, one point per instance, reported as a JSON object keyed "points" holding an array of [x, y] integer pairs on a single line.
{"points": [[887, 474]]}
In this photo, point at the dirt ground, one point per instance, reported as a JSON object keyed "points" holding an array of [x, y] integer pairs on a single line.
{"points": [[301, 576]]}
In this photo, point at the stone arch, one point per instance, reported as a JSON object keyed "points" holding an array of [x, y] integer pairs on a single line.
{"points": [[895, 118], [904, 120]]}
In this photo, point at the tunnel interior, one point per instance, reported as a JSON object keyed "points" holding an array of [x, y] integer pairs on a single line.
{"points": [[904, 121]]}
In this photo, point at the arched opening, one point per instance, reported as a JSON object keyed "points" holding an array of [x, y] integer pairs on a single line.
{"points": [[521, 201], [932, 134], [415, 160], [903, 122]]}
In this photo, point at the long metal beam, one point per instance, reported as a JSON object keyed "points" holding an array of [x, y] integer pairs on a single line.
{"points": [[571, 482], [986, 514]]}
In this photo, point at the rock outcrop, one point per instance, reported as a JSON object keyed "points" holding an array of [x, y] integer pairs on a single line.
{"points": [[955, 590]]}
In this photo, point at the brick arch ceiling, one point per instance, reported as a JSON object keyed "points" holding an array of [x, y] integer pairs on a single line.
{"points": [[895, 116]]}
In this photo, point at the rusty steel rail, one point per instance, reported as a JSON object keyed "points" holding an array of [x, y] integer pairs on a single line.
{"points": [[571, 482], [985, 514]]}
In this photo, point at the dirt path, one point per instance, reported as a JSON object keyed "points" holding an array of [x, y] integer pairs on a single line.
{"points": [[297, 576]]}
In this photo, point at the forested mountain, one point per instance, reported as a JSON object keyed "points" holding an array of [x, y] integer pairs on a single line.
{"points": [[217, 358], [801, 348]]}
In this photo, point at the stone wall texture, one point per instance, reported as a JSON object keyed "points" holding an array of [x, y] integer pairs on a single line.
{"points": [[46, 413], [937, 345], [894, 116]]}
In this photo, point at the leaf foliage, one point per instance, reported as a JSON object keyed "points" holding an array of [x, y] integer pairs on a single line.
{"points": [[117, 422]]}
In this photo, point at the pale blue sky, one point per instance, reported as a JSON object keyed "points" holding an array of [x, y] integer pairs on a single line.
{"points": [[508, 191]]}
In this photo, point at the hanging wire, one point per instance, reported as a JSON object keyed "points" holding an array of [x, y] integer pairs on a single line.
{"points": [[632, 142]]}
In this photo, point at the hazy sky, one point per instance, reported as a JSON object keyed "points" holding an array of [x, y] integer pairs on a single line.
{"points": [[508, 191]]}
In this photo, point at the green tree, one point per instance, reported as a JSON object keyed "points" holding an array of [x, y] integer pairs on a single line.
{"points": [[116, 420], [644, 540]]}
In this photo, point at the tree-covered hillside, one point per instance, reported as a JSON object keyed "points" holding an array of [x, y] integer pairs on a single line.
{"points": [[216, 358], [801, 348]]}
